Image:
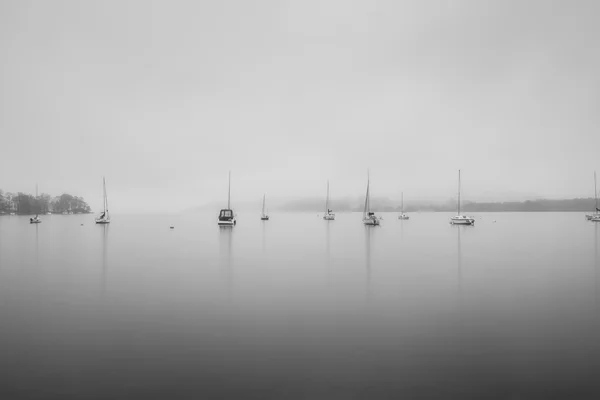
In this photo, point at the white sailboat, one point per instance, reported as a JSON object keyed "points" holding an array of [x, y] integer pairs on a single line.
{"points": [[461, 219], [263, 215], [226, 215], [104, 218], [36, 219], [402, 214], [329, 215], [369, 218], [596, 215]]}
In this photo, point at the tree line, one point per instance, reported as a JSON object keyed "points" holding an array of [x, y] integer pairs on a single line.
{"points": [[25, 203]]}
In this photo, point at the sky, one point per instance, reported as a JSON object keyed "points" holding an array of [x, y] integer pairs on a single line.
{"points": [[165, 97]]}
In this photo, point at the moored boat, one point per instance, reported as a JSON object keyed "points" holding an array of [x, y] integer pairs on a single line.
{"points": [[461, 219], [369, 217], [226, 215], [104, 218], [329, 215]]}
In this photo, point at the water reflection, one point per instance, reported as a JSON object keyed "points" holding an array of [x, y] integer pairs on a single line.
{"points": [[37, 249], [264, 232], [226, 265], [459, 266], [596, 266], [368, 289], [104, 257]]}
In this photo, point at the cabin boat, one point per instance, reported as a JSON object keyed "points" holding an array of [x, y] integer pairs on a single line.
{"points": [[461, 219], [369, 217], [226, 215], [329, 215], [104, 218]]}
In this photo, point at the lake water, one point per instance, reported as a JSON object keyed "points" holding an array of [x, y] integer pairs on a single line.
{"points": [[300, 308]]}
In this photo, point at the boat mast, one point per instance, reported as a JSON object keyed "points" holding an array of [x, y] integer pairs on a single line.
{"points": [[327, 199], [38, 203], [263, 210], [402, 203], [595, 192], [367, 205], [229, 193], [458, 211], [105, 197]]}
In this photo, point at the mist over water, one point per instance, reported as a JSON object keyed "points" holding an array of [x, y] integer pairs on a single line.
{"points": [[297, 307]]}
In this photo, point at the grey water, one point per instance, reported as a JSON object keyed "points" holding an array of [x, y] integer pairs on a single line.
{"points": [[300, 308]]}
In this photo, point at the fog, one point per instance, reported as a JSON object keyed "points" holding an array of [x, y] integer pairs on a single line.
{"points": [[163, 98]]}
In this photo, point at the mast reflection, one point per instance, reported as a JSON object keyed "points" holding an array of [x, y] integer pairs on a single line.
{"points": [[368, 289], [104, 258], [226, 265]]}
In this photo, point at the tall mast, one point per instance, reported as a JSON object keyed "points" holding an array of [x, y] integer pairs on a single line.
{"points": [[595, 192], [327, 199], [402, 203], [458, 212], [105, 197], [367, 205], [229, 193], [37, 208], [263, 212]]}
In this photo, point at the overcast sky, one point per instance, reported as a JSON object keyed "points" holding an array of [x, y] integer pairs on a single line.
{"points": [[165, 97]]}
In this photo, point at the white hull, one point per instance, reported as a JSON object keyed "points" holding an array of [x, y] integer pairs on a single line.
{"points": [[264, 218], [403, 216], [462, 220], [35, 220], [589, 217], [596, 218], [102, 221], [226, 223], [329, 217]]}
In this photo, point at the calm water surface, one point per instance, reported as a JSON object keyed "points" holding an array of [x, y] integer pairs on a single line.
{"points": [[300, 308]]}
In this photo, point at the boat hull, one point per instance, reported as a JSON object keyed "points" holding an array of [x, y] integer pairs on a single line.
{"points": [[264, 218], [329, 217], [403, 216], [462, 221], [102, 221], [227, 223]]}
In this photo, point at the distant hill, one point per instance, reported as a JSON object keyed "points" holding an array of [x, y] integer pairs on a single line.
{"points": [[387, 205]]}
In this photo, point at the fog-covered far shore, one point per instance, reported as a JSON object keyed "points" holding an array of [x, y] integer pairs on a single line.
{"points": [[382, 204]]}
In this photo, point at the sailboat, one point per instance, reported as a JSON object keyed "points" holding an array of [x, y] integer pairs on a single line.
{"points": [[104, 218], [36, 219], [264, 216], [596, 215], [329, 215], [402, 214], [226, 215], [461, 219], [369, 217]]}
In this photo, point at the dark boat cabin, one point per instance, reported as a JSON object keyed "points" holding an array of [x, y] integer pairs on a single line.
{"points": [[226, 215]]}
